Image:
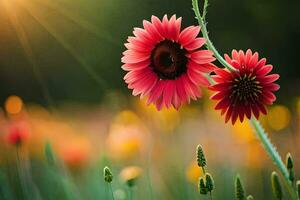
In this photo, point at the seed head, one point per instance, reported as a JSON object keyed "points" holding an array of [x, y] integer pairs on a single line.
{"points": [[202, 187], [276, 186], [298, 188], [209, 182], [239, 189], [291, 175], [108, 177], [200, 157], [289, 165], [250, 197], [289, 161]]}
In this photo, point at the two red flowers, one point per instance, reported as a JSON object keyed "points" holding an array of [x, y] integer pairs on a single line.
{"points": [[168, 67]]}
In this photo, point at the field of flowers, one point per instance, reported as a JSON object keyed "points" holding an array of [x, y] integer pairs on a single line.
{"points": [[149, 109]]}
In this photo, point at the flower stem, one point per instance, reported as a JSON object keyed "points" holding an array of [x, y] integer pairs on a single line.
{"points": [[21, 176], [148, 168], [209, 44], [111, 191], [210, 196], [204, 10], [203, 170], [271, 150], [130, 193]]}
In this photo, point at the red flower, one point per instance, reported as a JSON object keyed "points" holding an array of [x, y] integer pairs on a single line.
{"points": [[247, 90], [17, 135], [165, 64]]}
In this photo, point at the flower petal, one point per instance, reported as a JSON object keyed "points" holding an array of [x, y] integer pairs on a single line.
{"points": [[188, 35], [202, 57]]}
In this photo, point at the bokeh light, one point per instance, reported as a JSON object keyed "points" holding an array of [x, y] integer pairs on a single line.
{"points": [[13, 104], [193, 172], [278, 117], [243, 132]]}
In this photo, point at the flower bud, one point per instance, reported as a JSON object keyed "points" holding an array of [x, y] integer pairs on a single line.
{"points": [[209, 182], [298, 188], [108, 177], [291, 175], [289, 161], [276, 186], [202, 187], [200, 157], [289, 165], [250, 197], [239, 190]]}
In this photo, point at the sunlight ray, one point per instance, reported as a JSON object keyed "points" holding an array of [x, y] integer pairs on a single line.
{"points": [[38, 17], [104, 35], [23, 39]]}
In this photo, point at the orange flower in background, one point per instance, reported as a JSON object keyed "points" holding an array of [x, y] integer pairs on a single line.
{"points": [[76, 153], [255, 156]]}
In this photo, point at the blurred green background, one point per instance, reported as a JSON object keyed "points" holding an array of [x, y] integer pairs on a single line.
{"points": [[75, 46]]}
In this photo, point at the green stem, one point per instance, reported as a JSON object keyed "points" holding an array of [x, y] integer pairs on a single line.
{"points": [[210, 80], [148, 167], [111, 191], [203, 170], [150, 187], [204, 10], [271, 150], [130, 193], [210, 196], [21, 176], [209, 44]]}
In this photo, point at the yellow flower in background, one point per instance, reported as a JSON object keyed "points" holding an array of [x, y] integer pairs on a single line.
{"points": [[130, 174], [166, 120], [126, 142], [278, 117], [13, 105], [193, 172], [127, 136], [126, 117], [243, 131]]}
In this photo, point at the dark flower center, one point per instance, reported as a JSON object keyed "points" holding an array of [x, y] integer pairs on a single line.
{"points": [[246, 89], [168, 60]]}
